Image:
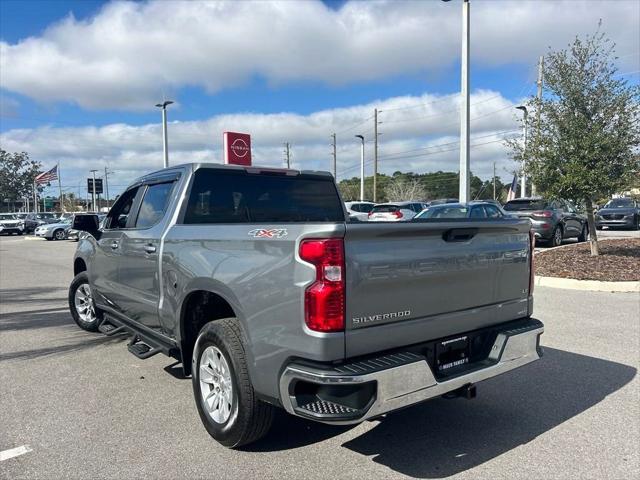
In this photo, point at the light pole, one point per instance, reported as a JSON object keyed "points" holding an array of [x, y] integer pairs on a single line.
{"points": [[165, 146], [464, 191], [361, 137], [523, 180]]}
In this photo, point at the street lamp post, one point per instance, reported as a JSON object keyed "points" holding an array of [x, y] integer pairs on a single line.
{"points": [[165, 146], [523, 179], [464, 191], [361, 137]]}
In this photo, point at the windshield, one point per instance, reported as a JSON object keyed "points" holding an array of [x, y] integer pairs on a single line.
{"points": [[620, 203], [444, 212], [523, 205], [8, 217]]}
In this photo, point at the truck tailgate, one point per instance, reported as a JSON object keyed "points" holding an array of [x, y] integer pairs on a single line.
{"points": [[411, 282]]}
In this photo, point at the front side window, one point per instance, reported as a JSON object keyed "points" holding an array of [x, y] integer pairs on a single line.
{"points": [[154, 204], [219, 196], [119, 213]]}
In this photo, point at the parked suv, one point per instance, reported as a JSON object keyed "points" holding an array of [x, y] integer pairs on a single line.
{"points": [[619, 212], [34, 220], [396, 211], [552, 220], [359, 210], [11, 223]]}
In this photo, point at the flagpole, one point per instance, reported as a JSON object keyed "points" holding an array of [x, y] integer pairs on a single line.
{"points": [[35, 198], [60, 189]]}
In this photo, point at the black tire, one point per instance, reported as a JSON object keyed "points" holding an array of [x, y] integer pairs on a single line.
{"points": [[638, 222], [556, 237], [584, 233], [598, 227], [49, 239], [91, 326], [58, 234], [250, 418]]}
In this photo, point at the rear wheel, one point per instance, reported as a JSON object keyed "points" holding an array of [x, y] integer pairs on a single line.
{"points": [[226, 401], [584, 234], [83, 309], [556, 237]]}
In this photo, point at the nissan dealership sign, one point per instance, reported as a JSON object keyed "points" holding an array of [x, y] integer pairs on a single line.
{"points": [[237, 148]]}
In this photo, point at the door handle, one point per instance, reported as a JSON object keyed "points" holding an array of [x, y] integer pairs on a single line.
{"points": [[114, 245], [150, 249]]}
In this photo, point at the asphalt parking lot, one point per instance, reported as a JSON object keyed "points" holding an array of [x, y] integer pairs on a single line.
{"points": [[84, 407]]}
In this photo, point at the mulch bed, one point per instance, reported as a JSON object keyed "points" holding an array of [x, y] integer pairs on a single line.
{"points": [[619, 261]]}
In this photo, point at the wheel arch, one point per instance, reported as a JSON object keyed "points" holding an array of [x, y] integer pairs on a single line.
{"points": [[199, 307], [79, 265]]}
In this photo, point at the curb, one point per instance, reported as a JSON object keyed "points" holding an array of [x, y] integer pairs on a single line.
{"points": [[587, 285]]}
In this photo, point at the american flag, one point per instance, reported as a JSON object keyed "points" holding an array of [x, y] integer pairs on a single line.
{"points": [[512, 189], [47, 177]]}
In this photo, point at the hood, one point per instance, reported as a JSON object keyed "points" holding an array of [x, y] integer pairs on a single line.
{"points": [[619, 211], [55, 225]]}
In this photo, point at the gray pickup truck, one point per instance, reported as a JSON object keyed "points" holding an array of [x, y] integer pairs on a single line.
{"points": [[254, 280]]}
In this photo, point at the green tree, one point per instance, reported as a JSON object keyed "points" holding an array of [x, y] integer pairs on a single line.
{"points": [[589, 127], [17, 173]]}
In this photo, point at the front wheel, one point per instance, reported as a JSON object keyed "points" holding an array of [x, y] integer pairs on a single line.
{"points": [[59, 235], [226, 401], [83, 309]]}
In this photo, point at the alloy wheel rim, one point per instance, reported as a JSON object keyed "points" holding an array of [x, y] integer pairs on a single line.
{"points": [[83, 300], [558, 237], [59, 235], [216, 388]]}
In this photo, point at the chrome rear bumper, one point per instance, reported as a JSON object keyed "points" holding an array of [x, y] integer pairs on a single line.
{"points": [[398, 379]]}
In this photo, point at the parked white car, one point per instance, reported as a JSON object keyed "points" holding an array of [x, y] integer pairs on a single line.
{"points": [[396, 211], [360, 210]]}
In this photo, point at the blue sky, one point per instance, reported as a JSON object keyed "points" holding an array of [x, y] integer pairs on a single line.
{"points": [[79, 78]]}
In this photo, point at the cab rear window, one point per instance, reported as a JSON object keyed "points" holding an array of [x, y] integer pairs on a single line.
{"points": [[219, 196]]}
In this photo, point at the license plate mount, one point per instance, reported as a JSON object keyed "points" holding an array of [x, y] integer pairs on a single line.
{"points": [[452, 353]]}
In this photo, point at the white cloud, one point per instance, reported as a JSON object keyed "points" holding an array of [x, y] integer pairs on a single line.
{"points": [[419, 134], [129, 54]]}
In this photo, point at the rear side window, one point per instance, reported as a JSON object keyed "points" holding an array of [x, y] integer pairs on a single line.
{"points": [[154, 204], [523, 205], [219, 196], [385, 208]]}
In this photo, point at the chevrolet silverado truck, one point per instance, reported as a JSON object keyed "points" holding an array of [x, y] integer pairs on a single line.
{"points": [[255, 281]]}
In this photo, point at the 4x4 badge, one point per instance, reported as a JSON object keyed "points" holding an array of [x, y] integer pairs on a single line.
{"points": [[272, 233]]}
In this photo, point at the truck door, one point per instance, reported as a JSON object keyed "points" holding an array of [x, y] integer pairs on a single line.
{"points": [[139, 269], [103, 269]]}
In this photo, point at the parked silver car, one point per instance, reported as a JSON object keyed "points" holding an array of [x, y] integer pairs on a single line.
{"points": [[54, 231]]}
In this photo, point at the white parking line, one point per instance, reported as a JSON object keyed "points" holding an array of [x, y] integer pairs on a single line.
{"points": [[14, 452]]}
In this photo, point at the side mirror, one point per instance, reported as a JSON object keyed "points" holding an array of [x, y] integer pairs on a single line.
{"points": [[87, 223]]}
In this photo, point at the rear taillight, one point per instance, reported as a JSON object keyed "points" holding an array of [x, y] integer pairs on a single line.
{"points": [[543, 214], [324, 299], [398, 214], [532, 246]]}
